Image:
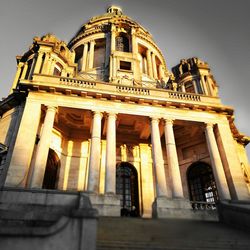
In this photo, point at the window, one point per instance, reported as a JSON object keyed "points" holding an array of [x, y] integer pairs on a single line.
{"points": [[122, 43], [125, 65], [127, 189], [201, 182]]}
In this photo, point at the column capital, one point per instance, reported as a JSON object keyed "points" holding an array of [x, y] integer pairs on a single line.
{"points": [[112, 114], [155, 119], [20, 65], [97, 112], [209, 125], [168, 121], [51, 108]]}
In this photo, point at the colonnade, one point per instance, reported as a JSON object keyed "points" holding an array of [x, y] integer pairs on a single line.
{"points": [[157, 155], [88, 55]]}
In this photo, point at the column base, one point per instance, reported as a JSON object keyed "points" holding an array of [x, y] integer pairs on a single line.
{"points": [[179, 208], [106, 204]]}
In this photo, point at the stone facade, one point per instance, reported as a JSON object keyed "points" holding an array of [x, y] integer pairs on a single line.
{"points": [[78, 114]]}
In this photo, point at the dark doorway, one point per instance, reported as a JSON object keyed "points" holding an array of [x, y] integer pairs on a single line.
{"points": [[51, 171], [201, 182], [127, 188]]}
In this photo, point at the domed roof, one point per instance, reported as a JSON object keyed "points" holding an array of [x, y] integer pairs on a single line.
{"points": [[114, 15]]}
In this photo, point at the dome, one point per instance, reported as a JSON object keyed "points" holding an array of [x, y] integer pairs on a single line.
{"points": [[114, 48]]}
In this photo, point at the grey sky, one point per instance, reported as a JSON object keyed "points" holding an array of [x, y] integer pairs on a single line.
{"points": [[216, 31]]}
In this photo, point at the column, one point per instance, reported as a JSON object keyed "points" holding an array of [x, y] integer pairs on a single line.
{"points": [[154, 67], [43, 148], [95, 153], [145, 65], [134, 42], [24, 145], [204, 84], [52, 66], [25, 68], [17, 76], [111, 154], [173, 163], [47, 64], [161, 186], [91, 54], [149, 63], [84, 57], [183, 89], [218, 170], [113, 33], [161, 73], [231, 162], [195, 87], [38, 63]]}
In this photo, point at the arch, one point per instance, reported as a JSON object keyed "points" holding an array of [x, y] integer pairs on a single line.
{"points": [[127, 189], [201, 183], [51, 171]]}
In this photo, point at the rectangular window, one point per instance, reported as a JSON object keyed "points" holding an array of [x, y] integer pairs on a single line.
{"points": [[125, 65]]}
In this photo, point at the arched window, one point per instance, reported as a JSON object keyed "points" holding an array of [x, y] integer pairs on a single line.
{"points": [[52, 170], [57, 69], [122, 43], [201, 182], [127, 188]]}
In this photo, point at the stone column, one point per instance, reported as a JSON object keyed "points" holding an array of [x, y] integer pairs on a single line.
{"points": [[183, 89], [45, 64], [111, 154], [17, 76], [38, 63], [145, 65], [149, 64], [218, 170], [20, 149], [25, 68], [91, 54], [231, 162], [154, 66], [173, 163], [52, 66], [204, 84], [95, 153], [161, 186], [84, 57], [161, 73], [113, 34], [43, 149], [134, 42], [195, 87]]}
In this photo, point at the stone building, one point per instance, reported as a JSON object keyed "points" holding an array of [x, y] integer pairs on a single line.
{"points": [[104, 115]]}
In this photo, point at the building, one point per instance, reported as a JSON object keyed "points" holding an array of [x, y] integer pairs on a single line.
{"points": [[104, 115]]}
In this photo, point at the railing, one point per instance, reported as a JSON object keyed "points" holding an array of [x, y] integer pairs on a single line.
{"points": [[184, 96], [202, 205], [132, 90], [77, 83]]}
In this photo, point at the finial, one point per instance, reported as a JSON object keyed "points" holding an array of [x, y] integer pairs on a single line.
{"points": [[115, 10]]}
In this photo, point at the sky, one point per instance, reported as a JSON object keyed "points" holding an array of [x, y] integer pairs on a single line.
{"points": [[217, 31]]}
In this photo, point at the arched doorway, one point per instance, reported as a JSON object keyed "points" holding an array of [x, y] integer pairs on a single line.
{"points": [[51, 171], [201, 182], [127, 188]]}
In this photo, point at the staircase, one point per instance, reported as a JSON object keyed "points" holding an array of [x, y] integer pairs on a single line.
{"points": [[169, 234]]}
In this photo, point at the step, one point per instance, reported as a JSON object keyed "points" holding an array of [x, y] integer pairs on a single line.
{"points": [[137, 233]]}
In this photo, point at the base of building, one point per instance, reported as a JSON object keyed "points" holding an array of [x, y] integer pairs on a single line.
{"points": [[106, 204], [164, 207]]}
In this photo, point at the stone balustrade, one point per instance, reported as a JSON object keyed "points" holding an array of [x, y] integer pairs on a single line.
{"points": [[202, 205]]}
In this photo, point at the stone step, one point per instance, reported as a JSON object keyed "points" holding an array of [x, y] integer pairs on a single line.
{"points": [[137, 233]]}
